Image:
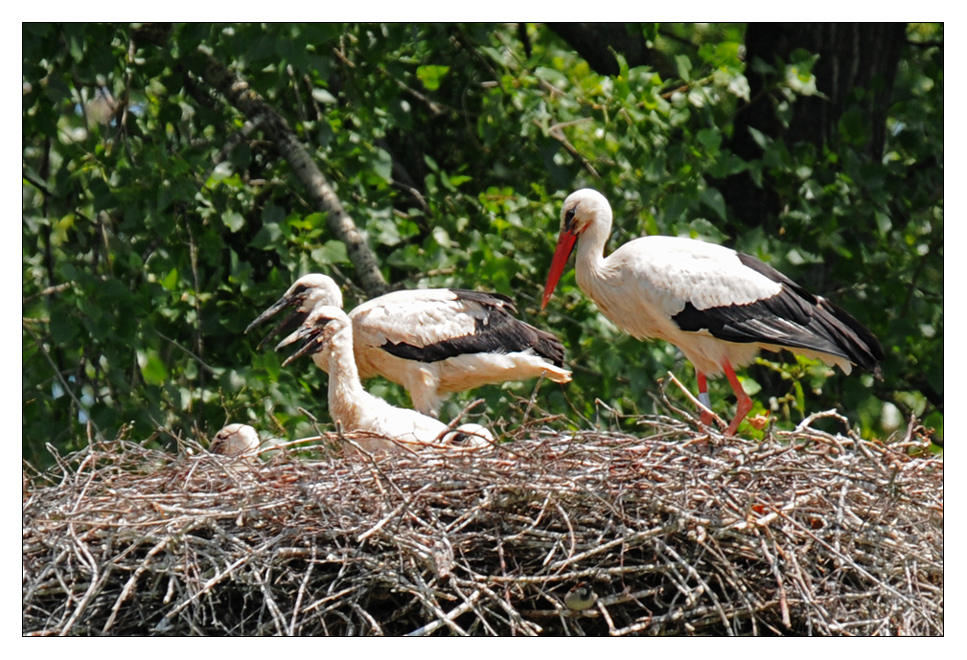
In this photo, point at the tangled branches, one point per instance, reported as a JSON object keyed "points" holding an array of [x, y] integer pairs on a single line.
{"points": [[585, 533]]}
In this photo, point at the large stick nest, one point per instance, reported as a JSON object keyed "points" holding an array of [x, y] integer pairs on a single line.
{"points": [[584, 533]]}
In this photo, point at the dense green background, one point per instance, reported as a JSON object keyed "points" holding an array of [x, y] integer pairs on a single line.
{"points": [[453, 146]]}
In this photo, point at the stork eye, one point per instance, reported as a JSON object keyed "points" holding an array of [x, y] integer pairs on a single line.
{"points": [[569, 218]]}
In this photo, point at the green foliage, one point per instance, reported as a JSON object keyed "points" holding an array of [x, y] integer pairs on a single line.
{"points": [[453, 147]]}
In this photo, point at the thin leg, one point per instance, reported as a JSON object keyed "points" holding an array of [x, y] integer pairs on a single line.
{"points": [[704, 398], [744, 404]]}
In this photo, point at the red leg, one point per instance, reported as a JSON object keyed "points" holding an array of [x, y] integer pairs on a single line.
{"points": [[744, 404], [703, 397]]}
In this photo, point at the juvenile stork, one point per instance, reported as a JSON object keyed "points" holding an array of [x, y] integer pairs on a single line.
{"points": [[431, 341], [235, 441], [327, 335], [717, 305]]}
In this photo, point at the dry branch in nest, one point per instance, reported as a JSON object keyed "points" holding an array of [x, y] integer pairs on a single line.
{"points": [[585, 533]]}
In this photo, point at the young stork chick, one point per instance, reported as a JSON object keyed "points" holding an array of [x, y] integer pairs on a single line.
{"points": [[431, 341], [327, 335], [717, 305], [236, 441]]}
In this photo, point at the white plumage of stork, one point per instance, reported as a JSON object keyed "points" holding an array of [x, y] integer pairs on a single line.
{"points": [[327, 335], [432, 341], [235, 441], [717, 305]]}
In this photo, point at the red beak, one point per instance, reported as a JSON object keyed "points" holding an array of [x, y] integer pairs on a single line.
{"points": [[565, 245]]}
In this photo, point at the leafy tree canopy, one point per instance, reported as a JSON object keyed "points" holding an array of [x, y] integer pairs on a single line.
{"points": [[165, 203]]}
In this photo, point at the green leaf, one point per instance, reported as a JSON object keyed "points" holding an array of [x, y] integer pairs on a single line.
{"points": [[63, 326], [222, 171], [800, 396], [760, 138], [684, 66], [751, 386], [170, 281], [333, 252], [383, 165], [268, 236], [233, 220], [441, 237], [431, 76], [711, 139], [153, 369], [323, 96], [713, 199]]}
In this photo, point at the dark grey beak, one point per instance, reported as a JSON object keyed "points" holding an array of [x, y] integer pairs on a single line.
{"points": [[284, 301], [310, 335], [295, 318]]}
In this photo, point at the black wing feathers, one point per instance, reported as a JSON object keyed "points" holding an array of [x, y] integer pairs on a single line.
{"points": [[497, 332], [765, 269], [793, 318], [857, 335]]}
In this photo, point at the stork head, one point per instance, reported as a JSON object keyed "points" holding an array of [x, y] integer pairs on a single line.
{"points": [[235, 440], [316, 332], [582, 209], [314, 289], [469, 435], [306, 293]]}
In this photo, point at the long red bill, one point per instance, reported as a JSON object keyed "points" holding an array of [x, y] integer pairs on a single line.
{"points": [[565, 244]]}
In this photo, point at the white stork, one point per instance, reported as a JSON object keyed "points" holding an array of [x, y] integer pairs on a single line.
{"points": [[327, 335], [432, 341], [717, 305], [236, 441]]}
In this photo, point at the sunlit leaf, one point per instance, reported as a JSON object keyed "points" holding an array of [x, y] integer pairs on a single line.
{"points": [[431, 76]]}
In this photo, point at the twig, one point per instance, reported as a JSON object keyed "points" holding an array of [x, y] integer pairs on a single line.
{"points": [[466, 606], [806, 533]]}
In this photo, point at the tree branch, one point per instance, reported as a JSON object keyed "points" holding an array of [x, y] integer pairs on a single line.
{"points": [[321, 193]]}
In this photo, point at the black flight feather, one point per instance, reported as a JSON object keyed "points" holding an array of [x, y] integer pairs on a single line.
{"points": [[793, 318], [497, 332]]}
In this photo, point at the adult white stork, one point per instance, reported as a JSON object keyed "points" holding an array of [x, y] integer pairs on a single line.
{"points": [[432, 341], [235, 441], [327, 335], [717, 305]]}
